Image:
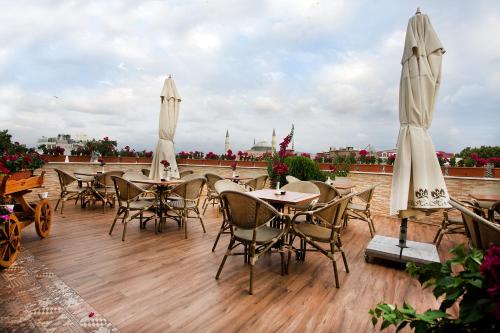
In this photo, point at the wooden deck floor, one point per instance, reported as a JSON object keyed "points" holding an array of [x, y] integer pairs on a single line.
{"points": [[162, 282]]}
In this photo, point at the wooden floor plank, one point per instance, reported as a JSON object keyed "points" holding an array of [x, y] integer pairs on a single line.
{"points": [[163, 282]]}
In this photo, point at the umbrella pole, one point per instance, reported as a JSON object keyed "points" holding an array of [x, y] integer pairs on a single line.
{"points": [[402, 236]]}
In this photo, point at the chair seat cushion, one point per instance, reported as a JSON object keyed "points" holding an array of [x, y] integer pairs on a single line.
{"points": [[314, 231], [264, 234], [361, 206], [179, 203], [140, 204]]}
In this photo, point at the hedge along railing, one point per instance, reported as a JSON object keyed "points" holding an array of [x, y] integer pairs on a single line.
{"points": [[473, 172]]}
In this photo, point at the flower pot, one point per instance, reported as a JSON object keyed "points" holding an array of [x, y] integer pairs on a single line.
{"points": [[324, 166], [111, 159], [181, 161], [81, 159], [389, 168], [477, 172], [245, 164], [18, 175], [226, 163], [128, 159], [209, 162], [260, 164], [145, 160], [496, 172], [370, 167], [52, 158]]}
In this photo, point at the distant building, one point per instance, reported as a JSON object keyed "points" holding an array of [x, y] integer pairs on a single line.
{"points": [[263, 147], [383, 154], [64, 141], [227, 143]]}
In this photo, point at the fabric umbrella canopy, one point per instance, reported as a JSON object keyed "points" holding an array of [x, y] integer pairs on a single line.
{"points": [[169, 113], [417, 183]]}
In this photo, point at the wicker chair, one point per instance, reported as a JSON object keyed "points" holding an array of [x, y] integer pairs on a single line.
{"points": [[326, 193], [191, 175], [257, 183], [70, 189], [190, 194], [130, 204], [248, 218], [184, 173], [481, 232], [486, 206], [212, 195], [145, 172], [343, 180], [292, 179], [105, 189], [361, 210], [451, 225], [303, 187], [494, 215], [327, 231], [220, 187]]}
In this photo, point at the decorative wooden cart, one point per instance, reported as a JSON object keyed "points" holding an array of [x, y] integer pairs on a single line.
{"points": [[12, 192]]}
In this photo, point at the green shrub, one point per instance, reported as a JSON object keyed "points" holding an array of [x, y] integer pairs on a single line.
{"points": [[304, 168]]}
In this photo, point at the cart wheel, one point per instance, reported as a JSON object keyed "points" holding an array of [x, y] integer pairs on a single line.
{"points": [[10, 241], [43, 218]]}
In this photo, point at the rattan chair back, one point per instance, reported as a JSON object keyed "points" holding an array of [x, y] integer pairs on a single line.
{"points": [[247, 212], [105, 178], [326, 192], [126, 191], [332, 214], [192, 176], [302, 186], [190, 189], [366, 195], [65, 179], [184, 173], [212, 178], [292, 179], [257, 183], [482, 233], [228, 185]]}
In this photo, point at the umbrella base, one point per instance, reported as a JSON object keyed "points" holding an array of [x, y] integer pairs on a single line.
{"points": [[387, 248]]}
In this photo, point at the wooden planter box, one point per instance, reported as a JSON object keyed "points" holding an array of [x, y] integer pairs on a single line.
{"points": [[18, 175], [477, 172], [81, 159], [148, 160], [245, 164], [209, 162], [111, 159], [128, 159], [496, 172], [389, 168], [260, 164], [226, 163], [52, 158], [369, 167], [324, 166]]}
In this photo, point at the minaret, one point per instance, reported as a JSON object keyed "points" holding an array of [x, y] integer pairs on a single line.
{"points": [[273, 140], [226, 143]]}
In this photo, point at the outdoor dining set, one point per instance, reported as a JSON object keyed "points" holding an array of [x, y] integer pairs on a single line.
{"points": [[258, 219]]}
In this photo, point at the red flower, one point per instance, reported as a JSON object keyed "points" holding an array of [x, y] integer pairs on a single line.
{"points": [[281, 169], [490, 269], [363, 152], [233, 166], [332, 168], [91, 314], [106, 138]]}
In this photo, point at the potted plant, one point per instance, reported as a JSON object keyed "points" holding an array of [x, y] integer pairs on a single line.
{"points": [[127, 155], [470, 281], [226, 159], [145, 157], [16, 160], [276, 167]]}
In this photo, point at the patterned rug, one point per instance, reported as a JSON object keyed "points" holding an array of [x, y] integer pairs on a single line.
{"points": [[33, 299]]}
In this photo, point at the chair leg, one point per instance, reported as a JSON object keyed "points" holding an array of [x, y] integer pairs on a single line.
{"points": [[231, 242], [222, 227], [250, 290], [62, 205], [57, 204], [118, 213], [201, 220], [185, 216], [334, 263], [205, 205]]}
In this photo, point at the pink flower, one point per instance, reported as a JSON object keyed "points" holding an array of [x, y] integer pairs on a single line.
{"points": [[233, 166], [91, 314], [363, 152]]}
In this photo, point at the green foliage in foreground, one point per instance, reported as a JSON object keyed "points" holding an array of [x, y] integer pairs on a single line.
{"points": [[304, 168], [467, 287]]}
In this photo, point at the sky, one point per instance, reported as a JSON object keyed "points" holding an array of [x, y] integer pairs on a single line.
{"points": [[331, 68]]}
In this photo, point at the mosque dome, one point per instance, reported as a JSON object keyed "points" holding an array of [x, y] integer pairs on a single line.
{"points": [[262, 146]]}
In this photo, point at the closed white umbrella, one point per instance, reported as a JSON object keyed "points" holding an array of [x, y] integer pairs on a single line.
{"points": [[169, 114], [418, 185], [417, 181]]}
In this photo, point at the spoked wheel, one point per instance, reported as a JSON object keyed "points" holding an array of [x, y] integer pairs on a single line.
{"points": [[43, 218], [10, 241]]}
